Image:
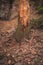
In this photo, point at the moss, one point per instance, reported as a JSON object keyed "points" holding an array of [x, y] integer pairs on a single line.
{"points": [[37, 23], [20, 33], [40, 9]]}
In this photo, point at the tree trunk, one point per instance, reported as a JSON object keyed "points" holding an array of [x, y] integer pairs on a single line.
{"points": [[24, 12]]}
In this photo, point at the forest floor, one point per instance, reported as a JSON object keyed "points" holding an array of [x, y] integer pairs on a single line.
{"points": [[28, 52]]}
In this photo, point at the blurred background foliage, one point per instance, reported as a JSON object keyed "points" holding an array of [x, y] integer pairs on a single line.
{"points": [[38, 5]]}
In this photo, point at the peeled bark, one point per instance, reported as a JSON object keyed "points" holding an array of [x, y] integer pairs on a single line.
{"points": [[24, 12]]}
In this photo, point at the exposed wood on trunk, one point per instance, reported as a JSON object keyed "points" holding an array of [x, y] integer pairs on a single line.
{"points": [[24, 12]]}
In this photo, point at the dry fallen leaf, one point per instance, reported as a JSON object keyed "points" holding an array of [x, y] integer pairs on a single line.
{"points": [[9, 61]]}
